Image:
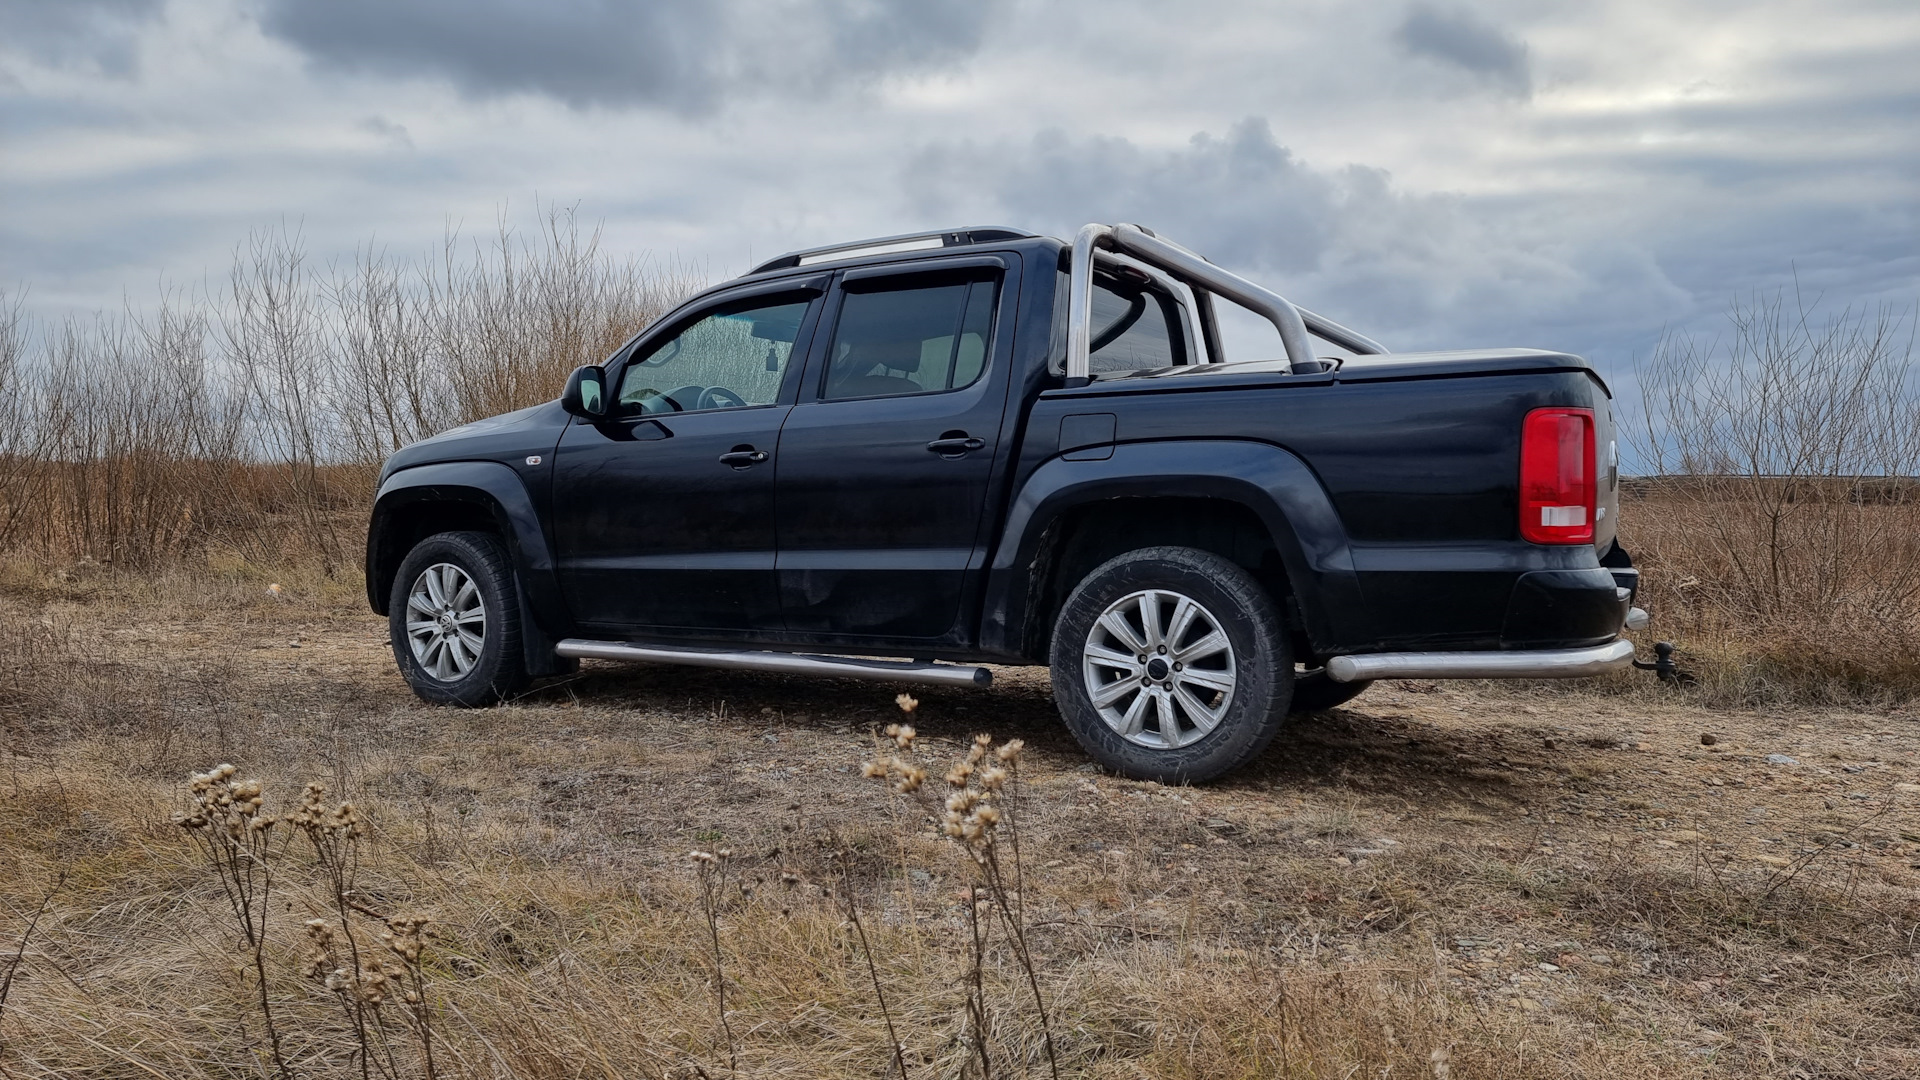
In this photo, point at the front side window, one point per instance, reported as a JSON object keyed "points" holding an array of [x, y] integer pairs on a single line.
{"points": [[733, 357], [917, 340]]}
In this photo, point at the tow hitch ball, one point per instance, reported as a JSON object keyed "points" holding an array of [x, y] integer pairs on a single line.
{"points": [[1663, 666]]}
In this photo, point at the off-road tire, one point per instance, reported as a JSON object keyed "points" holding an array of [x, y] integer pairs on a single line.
{"points": [[1314, 692], [1260, 659], [500, 670]]}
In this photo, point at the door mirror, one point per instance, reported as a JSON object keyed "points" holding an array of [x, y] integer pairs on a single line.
{"points": [[586, 393]]}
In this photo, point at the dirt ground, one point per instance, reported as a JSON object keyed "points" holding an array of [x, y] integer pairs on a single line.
{"points": [[1545, 881]]}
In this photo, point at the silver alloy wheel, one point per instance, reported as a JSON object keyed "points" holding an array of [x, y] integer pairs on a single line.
{"points": [[1159, 669], [446, 622]]}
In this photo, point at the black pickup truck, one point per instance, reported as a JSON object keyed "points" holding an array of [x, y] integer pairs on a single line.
{"points": [[983, 446]]}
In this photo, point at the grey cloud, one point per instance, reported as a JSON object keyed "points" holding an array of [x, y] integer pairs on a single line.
{"points": [[1463, 40], [1243, 198], [1417, 270], [396, 134], [101, 32], [686, 55], [1591, 271]]}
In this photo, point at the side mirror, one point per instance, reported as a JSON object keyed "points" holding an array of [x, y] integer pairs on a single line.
{"points": [[586, 393]]}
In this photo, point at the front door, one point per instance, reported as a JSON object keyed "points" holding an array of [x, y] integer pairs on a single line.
{"points": [[664, 513], [885, 461]]}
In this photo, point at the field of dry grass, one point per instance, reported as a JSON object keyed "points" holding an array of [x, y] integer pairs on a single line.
{"points": [[1436, 881], [1610, 880]]}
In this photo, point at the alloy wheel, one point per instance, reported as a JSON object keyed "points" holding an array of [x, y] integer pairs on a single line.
{"points": [[446, 622], [1159, 669]]}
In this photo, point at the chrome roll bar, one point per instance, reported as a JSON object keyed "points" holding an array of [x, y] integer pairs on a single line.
{"points": [[1080, 302], [1284, 316], [1205, 279], [1351, 340]]}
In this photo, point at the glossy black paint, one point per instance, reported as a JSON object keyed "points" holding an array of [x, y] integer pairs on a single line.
{"points": [[1274, 484], [881, 498], [1385, 491], [1421, 474], [655, 532]]}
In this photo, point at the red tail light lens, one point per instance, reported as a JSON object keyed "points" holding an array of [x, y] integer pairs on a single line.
{"points": [[1557, 476]]}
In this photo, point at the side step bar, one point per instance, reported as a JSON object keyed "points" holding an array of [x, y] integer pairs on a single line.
{"points": [[1542, 664], [906, 671]]}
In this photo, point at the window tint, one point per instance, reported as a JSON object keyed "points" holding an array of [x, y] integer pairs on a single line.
{"points": [[1133, 329], [911, 341], [732, 358]]}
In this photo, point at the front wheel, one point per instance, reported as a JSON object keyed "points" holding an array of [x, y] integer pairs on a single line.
{"points": [[454, 620], [1171, 664]]}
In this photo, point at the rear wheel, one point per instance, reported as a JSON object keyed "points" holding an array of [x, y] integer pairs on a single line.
{"points": [[1170, 664], [454, 620]]}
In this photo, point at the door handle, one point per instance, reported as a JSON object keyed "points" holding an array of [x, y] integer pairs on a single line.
{"points": [[741, 457], [955, 445]]}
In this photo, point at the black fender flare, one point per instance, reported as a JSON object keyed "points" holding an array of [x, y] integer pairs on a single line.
{"points": [[1270, 481], [486, 484]]}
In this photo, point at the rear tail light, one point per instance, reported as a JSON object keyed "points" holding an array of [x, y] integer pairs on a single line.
{"points": [[1557, 476]]}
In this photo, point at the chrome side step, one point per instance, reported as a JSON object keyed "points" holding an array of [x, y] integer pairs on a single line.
{"points": [[841, 667], [1540, 664]]}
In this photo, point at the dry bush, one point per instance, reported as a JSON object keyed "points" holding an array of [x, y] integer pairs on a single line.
{"points": [[1779, 532], [236, 421]]}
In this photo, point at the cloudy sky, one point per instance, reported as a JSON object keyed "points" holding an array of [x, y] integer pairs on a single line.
{"points": [[1488, 172]]}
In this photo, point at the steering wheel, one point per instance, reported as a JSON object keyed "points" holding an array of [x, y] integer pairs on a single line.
{"points": [[688, 397], [719, 397], [649, 399]]}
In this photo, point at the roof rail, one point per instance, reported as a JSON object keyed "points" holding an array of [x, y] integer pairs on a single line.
{"points": [[960, 237]]}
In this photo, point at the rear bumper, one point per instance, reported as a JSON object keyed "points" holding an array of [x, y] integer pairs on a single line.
{"points": [[1489, 664]]}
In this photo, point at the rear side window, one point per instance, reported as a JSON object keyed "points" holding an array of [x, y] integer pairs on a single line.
{"points": [[917, 339], [1132, 329]]}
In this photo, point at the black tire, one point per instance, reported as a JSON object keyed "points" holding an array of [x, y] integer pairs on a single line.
{"points": [[498, 668], [1314, 692], [1258, 666]]}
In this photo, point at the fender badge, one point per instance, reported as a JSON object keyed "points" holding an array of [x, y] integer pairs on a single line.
{"points": [[534, 459]]}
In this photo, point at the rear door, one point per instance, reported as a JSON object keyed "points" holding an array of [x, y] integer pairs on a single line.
{"points": [[664, 513], [886, 459]]}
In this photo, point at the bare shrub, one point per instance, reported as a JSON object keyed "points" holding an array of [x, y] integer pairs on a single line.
{"points": [[1779, 532], [255, 419]]}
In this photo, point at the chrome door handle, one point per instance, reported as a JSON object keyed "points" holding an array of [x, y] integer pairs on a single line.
{"points": [[743, 457], [955, 445]]}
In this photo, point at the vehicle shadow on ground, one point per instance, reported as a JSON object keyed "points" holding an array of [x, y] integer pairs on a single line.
{"points": [[1389, 753], [1384, 751]]}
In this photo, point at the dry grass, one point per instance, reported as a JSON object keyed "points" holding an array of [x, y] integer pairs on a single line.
{"points": [[1375, 897], [1835, 615], [1441, 882]]}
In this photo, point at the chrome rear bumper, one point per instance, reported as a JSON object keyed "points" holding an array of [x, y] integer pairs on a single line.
{"points": [[1540, 664]]}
